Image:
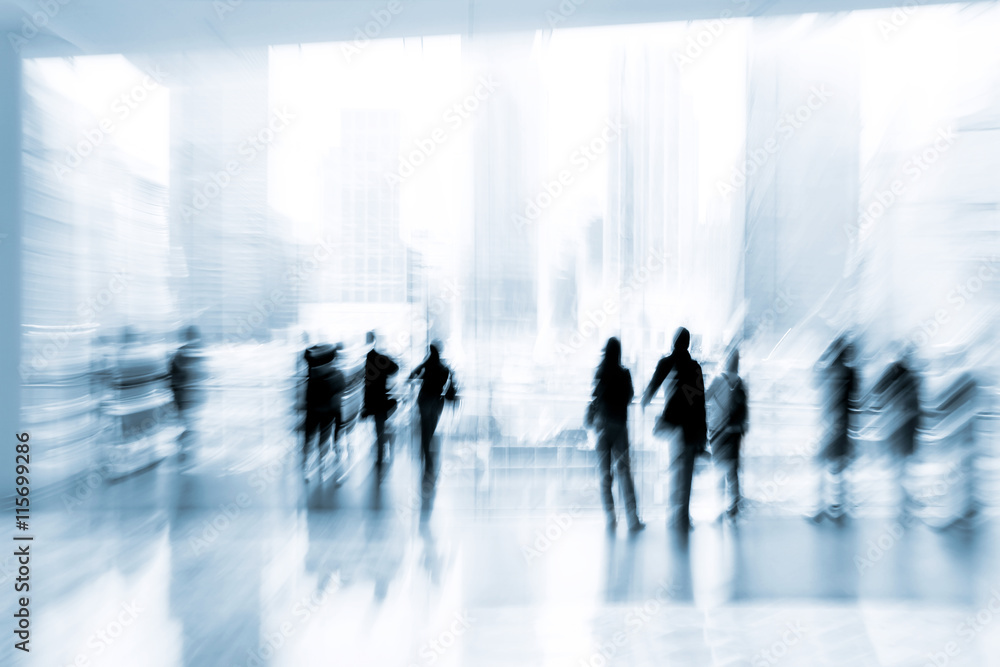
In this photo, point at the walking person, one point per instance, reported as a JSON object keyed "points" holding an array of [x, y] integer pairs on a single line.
{"points": [[839, 387], [727, 423], [322, 388], [682, 421], [377, 403], [186, 377], [435, 383], [896, 395], [613, 392]]}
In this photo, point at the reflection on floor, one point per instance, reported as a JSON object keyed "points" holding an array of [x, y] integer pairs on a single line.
{"points": [[232, 560]]}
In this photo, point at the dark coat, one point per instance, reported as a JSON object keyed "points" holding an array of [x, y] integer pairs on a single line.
{"points": [[840, 388], [685, 406], [378, 369], [326, 383], [433, 376], [613, 392]]}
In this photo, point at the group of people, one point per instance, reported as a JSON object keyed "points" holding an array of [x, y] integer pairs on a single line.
{"points": [[695, 420], [326, 416], [685, 422]]}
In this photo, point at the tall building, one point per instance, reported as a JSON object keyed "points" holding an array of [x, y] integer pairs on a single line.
{"points": [[503, 268], [361, 208], [227, 248]]}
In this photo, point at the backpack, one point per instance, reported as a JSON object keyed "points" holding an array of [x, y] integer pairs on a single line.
{"points": [[728, 406]]}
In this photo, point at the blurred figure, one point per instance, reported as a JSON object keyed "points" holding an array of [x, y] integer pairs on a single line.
{"points": [[323, 386], [377, 403], [839, 385], [339, 385], [302, 385], [612, 394], [186, 375], [435, 378], [897, 395], [728, 416], [683, 421]]}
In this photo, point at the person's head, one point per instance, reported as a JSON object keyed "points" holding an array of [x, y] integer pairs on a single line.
{"points": [[370, 338], [733, 362], [191, 334], [613, 352], [435, 349], [682, 340]]}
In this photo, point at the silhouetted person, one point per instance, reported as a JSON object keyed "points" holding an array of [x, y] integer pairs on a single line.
{"points": [[683, 419], [340, 383], [301, 387], [839, 387], [612, 395], [897, 394], [727, 422], [186, 375], [322, 388], [434, 378], [377, 403]]}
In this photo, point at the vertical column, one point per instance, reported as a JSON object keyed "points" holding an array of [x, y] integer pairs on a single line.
{"points": [[10, 242]]}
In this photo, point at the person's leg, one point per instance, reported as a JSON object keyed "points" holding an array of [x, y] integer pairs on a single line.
{"points": [[619, 449], [325, 433], [679, 490], [734, 482], [604, 473], [428, 423], [686, 482], [836, 491], [379, 440], [338, 432], [308, 433]]}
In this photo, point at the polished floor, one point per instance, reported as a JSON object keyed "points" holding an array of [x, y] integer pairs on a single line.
{"points": [[230, 558]]}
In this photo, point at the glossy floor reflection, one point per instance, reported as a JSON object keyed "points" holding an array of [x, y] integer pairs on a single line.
{"points": [[230, 559]]}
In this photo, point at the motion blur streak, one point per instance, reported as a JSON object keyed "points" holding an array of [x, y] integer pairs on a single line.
{"points": [[357, 352]]}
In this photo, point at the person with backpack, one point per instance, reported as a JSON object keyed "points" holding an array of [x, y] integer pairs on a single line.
{"points": [[608, 414], [727, 423]]}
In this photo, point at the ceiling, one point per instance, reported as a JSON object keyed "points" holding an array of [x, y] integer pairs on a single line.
{"points": [[76, 27]]}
